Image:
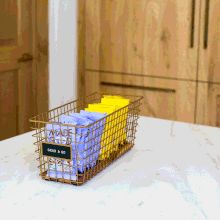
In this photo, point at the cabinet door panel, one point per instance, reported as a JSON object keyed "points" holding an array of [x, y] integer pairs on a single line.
{"points": [[154, 99], [163, 98], [9, 102], [17, 73], [148, 37], [209, 48], [208, 104], [23, 64], [92, 83]]}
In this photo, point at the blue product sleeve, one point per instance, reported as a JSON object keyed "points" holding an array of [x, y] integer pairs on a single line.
{"points": [[85, 141], [58, 168], [82, 141], [97, 130], [94, 116]]}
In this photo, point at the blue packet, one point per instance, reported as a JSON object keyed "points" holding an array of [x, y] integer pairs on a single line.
{"points": [[58, 168], [96, 131], [94, 116], [85, 151], [80, 140]]}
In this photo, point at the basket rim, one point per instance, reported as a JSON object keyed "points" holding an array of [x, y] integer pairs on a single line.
{"points": [[34, 120]]}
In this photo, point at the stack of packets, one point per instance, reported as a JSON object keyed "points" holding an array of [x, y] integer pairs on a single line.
{"points": [[85, 143], [92, 143], [114, 132]]}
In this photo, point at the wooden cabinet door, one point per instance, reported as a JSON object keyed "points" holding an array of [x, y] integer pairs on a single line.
{"points": [[144, 37], [19, 55], [208, 98], [208, 104], [163, 98], [209, 48]]}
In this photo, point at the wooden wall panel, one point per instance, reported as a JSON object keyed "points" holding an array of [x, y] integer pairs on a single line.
{"points": [[147, 47], [8, 107], [41, 48], [27, 107], [92, 83], [208, 105], [23, 63], [163, 98], [92, 34], [8, 15], [209, 48], [154, 99], [81, 79], [142, 37]]}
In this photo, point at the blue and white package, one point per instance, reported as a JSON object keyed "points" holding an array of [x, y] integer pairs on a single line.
{"points": [[61, 174], [85, 143], [95, 133], [94, 116], [61, 168], [81, 139]]}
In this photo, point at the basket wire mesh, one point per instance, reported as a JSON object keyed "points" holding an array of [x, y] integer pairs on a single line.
{"points": [[104, 140]]}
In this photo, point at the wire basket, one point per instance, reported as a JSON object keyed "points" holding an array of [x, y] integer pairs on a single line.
{"points": [[74, 154]]}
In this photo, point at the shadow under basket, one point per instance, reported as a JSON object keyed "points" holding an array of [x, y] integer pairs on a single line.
{"points": [[73, 154]]}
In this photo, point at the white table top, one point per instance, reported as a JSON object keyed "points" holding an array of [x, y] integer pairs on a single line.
{"points": [[172, 173]]}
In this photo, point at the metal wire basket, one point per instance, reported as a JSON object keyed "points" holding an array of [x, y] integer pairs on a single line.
{"points": [[74, 154]]}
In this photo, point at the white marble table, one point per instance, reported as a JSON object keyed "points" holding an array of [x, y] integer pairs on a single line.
{"points": [[172, 173]]}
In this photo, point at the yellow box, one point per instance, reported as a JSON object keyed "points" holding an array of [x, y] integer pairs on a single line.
{"points": [[120, 123], [107, 136], [114, 132]]}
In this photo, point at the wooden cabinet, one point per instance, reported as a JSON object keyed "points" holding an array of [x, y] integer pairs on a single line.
{"points": [[16, 82], [208, 104], [147, 37], [163, 98], [209, 47], [168, 51], [23, 64], [208, 100], [8, 110]]}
